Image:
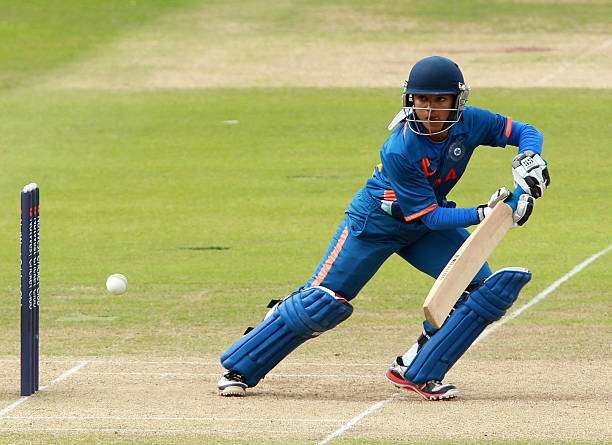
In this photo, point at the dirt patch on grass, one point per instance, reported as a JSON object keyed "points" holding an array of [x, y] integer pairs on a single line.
{"points": [[332, 47]]}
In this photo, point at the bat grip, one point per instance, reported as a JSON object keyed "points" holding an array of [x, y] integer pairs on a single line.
{"points": [[512, 201]]}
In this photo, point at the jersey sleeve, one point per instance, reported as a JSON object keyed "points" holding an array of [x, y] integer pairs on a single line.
{"points": [[443, 218], [413, 192], [493, 129], [525, 137], [496, 130]]}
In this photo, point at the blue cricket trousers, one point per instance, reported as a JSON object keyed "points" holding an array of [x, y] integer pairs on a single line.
{"points": [[368, 236]]}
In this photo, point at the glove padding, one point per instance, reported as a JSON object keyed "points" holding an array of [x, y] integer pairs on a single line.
{"points": [[501, 194], [530, 172], [522, 207], [523, 210]]}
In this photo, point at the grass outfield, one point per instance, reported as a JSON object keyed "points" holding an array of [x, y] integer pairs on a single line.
{"points": [[37, 36], [209, 220], [214, 200]]}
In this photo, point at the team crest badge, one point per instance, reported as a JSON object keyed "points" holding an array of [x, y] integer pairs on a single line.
{"points": [[456, 151]]}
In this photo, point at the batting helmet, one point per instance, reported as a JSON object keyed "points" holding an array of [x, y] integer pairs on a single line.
{"points": [[435, 75]]}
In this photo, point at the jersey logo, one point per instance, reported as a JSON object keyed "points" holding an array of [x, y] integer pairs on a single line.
{"points": [[456, 151], [450, 176], [425, 163]]}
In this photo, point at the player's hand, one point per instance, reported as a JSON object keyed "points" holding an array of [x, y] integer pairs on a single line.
{"points": [[522, 206], [530, 172], [501, 194]]}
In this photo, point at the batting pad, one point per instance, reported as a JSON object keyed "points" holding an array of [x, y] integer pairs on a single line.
{"points": [[303, 315], [482, 307]]}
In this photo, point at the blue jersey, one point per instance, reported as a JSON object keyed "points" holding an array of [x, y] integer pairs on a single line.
{"points": [[418, 173]]}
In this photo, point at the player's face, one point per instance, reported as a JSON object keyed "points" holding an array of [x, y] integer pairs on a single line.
{"points": [[432, 110]]}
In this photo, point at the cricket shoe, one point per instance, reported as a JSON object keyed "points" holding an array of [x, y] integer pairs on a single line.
{"points": [[431, 390], [231, 384]]}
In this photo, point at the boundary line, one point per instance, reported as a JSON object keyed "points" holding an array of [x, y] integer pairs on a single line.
{"points": [[539, 297]]}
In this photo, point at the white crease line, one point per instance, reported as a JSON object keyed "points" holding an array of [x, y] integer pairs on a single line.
{"points": [[12, 406], [348, 425], [63, 376], [200, 375], [212, 363], [539, 297], [181, 419], [116, 431], [95, 361]]}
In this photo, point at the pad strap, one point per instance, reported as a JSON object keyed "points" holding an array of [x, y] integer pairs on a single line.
{"points": [[302, 315], [482, 307]]}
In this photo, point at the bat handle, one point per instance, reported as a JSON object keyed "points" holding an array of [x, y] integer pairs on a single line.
{"points": [[512, 201]]}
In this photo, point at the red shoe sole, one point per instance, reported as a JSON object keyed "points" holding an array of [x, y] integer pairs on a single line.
{"points": [[409, 386]]}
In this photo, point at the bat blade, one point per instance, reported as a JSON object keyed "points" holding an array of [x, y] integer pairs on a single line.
{"points": [[466, 263]]}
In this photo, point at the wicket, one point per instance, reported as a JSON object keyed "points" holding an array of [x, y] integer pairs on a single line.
{"points": [[30, 296]]}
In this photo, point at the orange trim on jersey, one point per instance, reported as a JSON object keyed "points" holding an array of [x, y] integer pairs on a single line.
{"points": [[331, 258], [508, 127], [421, 213], [389, 195]]}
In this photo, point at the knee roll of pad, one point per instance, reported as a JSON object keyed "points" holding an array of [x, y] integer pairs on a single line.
{"points": [[483, 306], [498, 293], [303, 315]]}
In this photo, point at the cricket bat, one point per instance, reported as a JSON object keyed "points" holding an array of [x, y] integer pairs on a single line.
{"points": [[466, 263]]}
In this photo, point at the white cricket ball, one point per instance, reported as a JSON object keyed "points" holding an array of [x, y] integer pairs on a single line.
{"points": [[116, 284]]}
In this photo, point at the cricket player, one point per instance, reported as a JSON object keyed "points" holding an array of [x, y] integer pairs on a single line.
{"points": [[403, 209]]}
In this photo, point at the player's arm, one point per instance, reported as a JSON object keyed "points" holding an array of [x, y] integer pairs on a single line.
{"points": [[448, 218], [418, 201], [529, 169], [495, 130], [443, 218], [524, 136]]}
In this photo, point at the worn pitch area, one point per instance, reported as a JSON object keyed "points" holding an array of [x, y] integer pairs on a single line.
{"points": [[318, 45], [540, 397]]}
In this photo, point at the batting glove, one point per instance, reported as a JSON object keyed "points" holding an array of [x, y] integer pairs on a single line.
{"points": [[522, 206], [501, 194], [530, 172]]}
